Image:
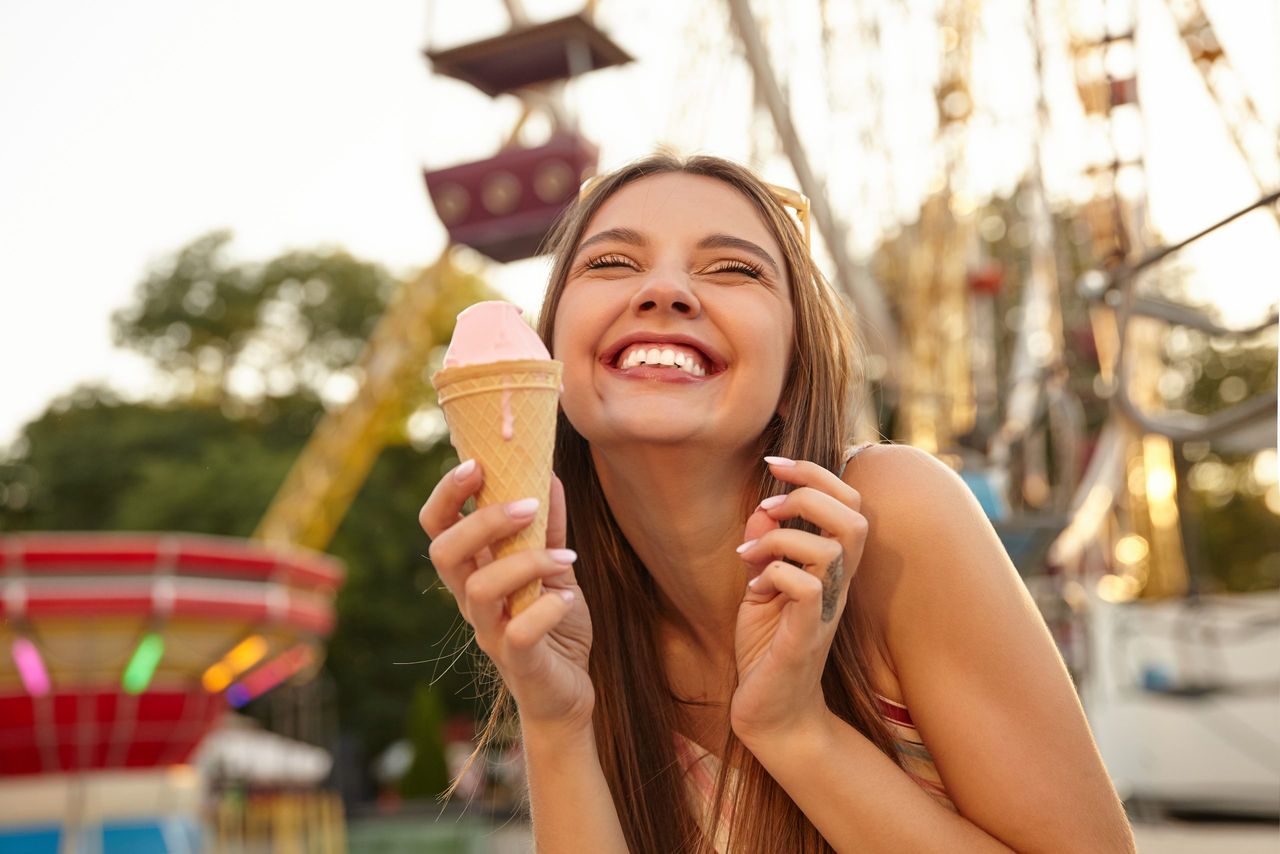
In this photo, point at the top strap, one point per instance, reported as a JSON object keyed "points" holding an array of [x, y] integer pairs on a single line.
{"points": [[852, 452]]}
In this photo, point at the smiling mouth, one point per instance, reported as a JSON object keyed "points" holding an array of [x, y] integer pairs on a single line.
{"points": [[663, 362]]}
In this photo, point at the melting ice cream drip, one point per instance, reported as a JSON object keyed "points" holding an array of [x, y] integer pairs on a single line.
{"points": [[508, 420]]}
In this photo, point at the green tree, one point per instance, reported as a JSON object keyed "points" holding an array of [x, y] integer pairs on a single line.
{"points": [[1237, 525], [226, 326], [428, 776]]}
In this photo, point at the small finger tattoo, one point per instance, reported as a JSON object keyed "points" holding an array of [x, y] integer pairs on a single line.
{"points": [[831, 583]]}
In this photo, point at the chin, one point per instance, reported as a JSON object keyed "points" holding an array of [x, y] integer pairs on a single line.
{"points": [[636, 432]]}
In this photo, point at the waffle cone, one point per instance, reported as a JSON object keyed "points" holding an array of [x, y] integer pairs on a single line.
{"points": [[483, 402]]}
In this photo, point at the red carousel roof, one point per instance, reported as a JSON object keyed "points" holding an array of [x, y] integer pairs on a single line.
{"points": [[121, 649]]}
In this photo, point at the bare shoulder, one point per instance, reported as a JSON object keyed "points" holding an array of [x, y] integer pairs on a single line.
{"points": [[928, 542], [889, 472], [908, 495], [976, 664]]}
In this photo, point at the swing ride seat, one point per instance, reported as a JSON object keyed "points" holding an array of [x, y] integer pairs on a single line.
{"points": [[530, 55], [503, 206]]}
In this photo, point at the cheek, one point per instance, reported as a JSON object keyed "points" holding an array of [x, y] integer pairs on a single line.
{"points": [[774, 336], [568, 327], [577, 333]]}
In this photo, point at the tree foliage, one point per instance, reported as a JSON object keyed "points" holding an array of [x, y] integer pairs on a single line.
{"points": [[1233, 491], [239, 328], [428, 776]]}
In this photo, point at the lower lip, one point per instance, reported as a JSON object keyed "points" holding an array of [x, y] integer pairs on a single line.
{"points": [[665, 375]]}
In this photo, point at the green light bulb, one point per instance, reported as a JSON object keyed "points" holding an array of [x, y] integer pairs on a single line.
{"points": [[142, 665]]}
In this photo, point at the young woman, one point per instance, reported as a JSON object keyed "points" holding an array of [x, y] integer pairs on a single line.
{"points": [[762, 640]]}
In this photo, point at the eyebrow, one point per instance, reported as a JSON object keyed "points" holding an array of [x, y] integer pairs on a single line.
{"points": [[622, 235], [714, 241]]}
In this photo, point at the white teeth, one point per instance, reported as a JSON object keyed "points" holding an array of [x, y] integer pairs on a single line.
{"points": [[667, 357]]}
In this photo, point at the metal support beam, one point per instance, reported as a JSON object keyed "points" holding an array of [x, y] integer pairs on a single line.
{"points": [[881, 334]]}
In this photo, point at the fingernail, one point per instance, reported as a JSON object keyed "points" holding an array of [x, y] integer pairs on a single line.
{"points": [[523, 507], [772, 502], [779, 461], [567, 595], [753, 582], [563, 555], [461, 472], [748, 544]]}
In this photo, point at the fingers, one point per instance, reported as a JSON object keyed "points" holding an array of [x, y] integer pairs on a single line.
{"points": [[791, 581], [805, 473], [790, 544], [445, 504], [557, 519], [485, 593], [813, 505], [531, 625], [817, 600], [824, 560], [758, 524], [453, 551]]}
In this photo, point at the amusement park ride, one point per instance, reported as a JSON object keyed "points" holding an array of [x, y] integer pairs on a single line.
{"points": [[124, 649]]}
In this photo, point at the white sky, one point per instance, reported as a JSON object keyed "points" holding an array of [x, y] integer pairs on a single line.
{"points": [[131, 127]]}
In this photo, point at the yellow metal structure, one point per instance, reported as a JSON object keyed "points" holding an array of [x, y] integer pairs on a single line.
{"points": [[929, 271], [1144, 547], [1258, 145], [329, 472]]}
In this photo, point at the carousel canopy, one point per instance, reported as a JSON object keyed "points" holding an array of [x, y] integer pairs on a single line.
{"points": [[123, 649]]}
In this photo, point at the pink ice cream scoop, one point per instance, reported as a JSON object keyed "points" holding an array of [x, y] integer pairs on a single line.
{"points": [[500, 390], [492, 331]]}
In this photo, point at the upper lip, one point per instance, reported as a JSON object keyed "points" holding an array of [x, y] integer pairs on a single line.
{"points": [[715, 362]]}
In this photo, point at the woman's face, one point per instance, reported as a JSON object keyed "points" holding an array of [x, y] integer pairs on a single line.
{"points": [[680, 263]]}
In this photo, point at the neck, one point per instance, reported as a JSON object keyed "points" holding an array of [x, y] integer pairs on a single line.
{"points": [[679, 509]]}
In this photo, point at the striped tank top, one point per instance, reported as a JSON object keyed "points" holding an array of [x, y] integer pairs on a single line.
{"points": [[700, 767]]}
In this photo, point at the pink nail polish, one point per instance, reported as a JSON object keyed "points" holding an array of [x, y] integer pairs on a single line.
{"points": [[461, 472], [565, 556], [772, 502], [748, 544], [779, 461], [522, 508]]}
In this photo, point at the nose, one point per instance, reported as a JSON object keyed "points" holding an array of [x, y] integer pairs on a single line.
{"points": [[663, 292]]}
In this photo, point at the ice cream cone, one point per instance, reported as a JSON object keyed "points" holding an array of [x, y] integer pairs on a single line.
{"points": [[503, 415]]}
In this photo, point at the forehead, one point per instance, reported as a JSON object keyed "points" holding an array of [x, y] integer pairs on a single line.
{"points": [[679, 206]]}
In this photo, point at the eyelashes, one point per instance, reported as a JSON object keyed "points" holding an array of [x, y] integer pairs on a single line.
{"points": [[743, 267], [601, 262]]}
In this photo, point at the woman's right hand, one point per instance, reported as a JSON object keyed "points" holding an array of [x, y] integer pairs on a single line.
{"points": [[542, 652]]}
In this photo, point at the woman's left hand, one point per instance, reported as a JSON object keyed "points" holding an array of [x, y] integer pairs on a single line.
{"points": [[789, 614]]}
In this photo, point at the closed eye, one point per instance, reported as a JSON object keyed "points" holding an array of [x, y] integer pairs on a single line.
{"points": [[743, 267], [601, 262]]}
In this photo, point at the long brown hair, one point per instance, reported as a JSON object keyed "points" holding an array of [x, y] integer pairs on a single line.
{"points": [[636, 711]]}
